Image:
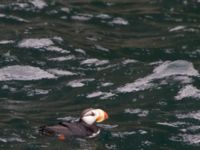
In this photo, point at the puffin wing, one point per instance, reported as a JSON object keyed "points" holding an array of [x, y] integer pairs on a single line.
{"points": [[66, 129], [55, 130]]}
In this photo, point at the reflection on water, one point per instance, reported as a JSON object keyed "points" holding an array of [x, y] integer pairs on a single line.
{"points": [[139, 60], [165, 70]]}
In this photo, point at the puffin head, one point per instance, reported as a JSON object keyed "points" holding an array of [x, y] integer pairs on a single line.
{"points": [[90, 116]]}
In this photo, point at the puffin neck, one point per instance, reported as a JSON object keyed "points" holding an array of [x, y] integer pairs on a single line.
{"points": [[85, 124], [93, 127]]}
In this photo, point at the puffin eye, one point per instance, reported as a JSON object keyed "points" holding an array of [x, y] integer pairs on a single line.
{"points": [[92, 114]]}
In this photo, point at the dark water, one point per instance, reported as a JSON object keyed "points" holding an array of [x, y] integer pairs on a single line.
{"points": [[137, 59]]}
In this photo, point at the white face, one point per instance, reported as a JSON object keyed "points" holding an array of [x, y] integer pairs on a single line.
{"points": [[90, 116]]}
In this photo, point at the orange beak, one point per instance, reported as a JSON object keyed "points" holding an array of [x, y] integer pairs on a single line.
{"points": [[105, 115], [102, 115]]}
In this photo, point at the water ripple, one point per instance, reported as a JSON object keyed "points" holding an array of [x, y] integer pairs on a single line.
{"points": [[139, 112], [138, 60], [35, 43], [42, 43], [39, 4], [79, 82], [61, 72], [119, 21], [188, 91], [13, 18], [82, 17], [167, 69], [94, 61], [23, 73]]}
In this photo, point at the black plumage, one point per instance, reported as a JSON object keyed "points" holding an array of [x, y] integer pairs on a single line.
{"points": [[84, 127], [70, 129]]}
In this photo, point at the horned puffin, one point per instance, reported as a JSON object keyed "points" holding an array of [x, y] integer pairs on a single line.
{"points": [[85, 126]]}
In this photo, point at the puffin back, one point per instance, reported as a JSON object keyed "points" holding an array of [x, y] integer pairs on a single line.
{"points": [[69, 129]]}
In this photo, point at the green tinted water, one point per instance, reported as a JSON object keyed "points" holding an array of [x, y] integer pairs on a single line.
{"points": [[138, 60]]}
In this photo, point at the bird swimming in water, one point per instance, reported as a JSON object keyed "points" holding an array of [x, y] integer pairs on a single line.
{"points": [[84, 127]]}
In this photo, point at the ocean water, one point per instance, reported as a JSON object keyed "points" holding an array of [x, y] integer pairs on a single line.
{"points": [[137, 59]]}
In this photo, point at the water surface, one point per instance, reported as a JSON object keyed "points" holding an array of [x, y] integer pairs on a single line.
{"points": [[138, 60]]}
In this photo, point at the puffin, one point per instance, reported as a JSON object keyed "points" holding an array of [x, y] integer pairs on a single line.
{"points": [[84, 127]]}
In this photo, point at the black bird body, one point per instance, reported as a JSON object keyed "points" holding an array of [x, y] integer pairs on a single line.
{"points": [[84, 127], [71, 129]]}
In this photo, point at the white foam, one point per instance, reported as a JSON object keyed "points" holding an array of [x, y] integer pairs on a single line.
{"points": [[15, 138], [61, 72], [119, 21], [20, 6], [102, 95], [106, 84], [177, 28], [75, 84], [89, 61], [13, 18], [138, 111], [167, 69], [80, 51], [70, 57], [191, 139], [99, 47], [123, 134], [6, 41], [108, 126], [37, 92], [79, 82], [179, 67], [2, 15], [193, 128], [111, 146], [64, 17], [94, 61], [17, 19], [57, 49], [35, 43], [156, 63], [41, 43], [171, 124], [101, 62], [58, 39], [107, 95], [166, 124], [95, 94], [65, 9], [191, 115], [103, 16], [128, 61], [188, 91], [82, 17], [3, 140], [140, 84], [40, 4], [183, 79], [92, 38], [18, 72]]}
